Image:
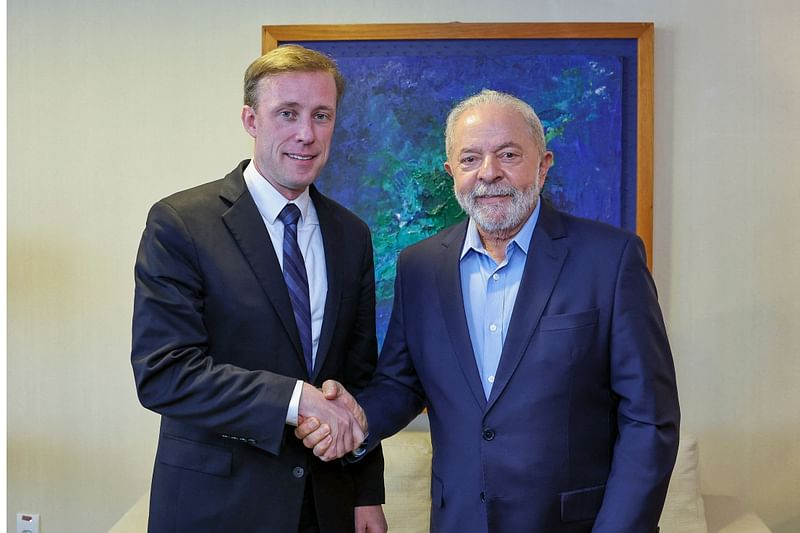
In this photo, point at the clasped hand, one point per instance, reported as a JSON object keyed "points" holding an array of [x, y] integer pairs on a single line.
{"points": [[331, 422]]}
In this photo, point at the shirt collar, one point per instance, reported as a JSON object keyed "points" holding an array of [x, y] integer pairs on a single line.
{"points": [[270, 202], [522, 239]]}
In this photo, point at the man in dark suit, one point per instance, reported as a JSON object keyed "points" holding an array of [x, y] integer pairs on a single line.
{"points": [[536, 342], [250, 290]]}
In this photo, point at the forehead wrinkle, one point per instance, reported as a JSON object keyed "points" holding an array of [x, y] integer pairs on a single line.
{"points": [[509, 144], [474, 149]]}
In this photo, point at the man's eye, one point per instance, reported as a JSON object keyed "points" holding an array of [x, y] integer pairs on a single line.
{"points": [[287, 114], [322, 116], [467, 160], [508, 155]]}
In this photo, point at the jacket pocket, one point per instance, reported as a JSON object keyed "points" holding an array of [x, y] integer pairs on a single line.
{"points": [[192, 455], [569, 321], [583, 504]]}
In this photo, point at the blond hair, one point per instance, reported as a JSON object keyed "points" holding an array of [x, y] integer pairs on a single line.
{"points": [[284, 59]]}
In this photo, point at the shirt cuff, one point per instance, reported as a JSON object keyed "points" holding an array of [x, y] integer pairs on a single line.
{"points": [[294, 404]]}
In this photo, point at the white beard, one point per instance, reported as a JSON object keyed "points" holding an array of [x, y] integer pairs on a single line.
{"points": [[499, 218]]}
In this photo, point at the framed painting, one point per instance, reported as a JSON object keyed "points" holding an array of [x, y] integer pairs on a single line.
{"points": [[590, 83]]}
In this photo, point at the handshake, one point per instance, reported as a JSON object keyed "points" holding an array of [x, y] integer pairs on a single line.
{"points": [[330, 420]]}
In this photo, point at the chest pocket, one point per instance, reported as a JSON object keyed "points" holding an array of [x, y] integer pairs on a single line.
{"points": [[567, 338], [584, 319]]}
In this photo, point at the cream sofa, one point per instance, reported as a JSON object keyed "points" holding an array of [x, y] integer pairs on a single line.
{"points": [[408, 460]]}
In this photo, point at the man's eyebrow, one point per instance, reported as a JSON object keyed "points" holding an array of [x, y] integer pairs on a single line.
{"points": [[473, 149], [298, 104], [509, 144]]}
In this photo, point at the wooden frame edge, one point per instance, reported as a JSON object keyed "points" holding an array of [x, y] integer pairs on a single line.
{"points": [[643, 32]]}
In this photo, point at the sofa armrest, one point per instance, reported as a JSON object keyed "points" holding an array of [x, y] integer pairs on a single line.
{"points": [[727, 514], [135, 519]]}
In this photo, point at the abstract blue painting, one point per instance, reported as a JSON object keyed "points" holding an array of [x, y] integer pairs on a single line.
{"points": [[387, 158]]}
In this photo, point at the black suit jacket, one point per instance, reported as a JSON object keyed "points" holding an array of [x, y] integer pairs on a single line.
{"points": [[216, 352]]}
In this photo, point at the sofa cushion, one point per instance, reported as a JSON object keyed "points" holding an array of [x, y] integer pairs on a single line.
{"points": [[684, 511], [407, 475]]}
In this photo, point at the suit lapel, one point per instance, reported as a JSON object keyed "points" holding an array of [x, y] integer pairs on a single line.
{"points": [[246, 225], [448, 277], [542, 267], [332, 233]]}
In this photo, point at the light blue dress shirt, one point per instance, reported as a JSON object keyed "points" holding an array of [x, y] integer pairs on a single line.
{"points": [[489, 291]]}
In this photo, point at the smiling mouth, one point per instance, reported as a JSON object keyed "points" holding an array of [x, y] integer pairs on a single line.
{"points": [[492, 196], [298, 157]]}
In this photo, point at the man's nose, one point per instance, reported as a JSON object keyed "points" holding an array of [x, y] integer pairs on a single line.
{"points": [[305, 130], [489, 170]]}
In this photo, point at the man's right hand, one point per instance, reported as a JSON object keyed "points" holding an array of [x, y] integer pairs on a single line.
{"points": [[331, 422], [318, 434]]}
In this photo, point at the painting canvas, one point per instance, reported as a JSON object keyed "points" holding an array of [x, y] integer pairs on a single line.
{"points": [[388, 150]]}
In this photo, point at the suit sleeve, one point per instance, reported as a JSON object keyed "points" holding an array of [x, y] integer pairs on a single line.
{"points": [[175, 376], [648, 415], [362, 357], [395, 395]]}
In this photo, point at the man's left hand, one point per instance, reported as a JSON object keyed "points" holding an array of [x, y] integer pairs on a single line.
{"points": [[370, 519]]}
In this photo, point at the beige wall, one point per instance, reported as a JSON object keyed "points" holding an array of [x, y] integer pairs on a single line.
{"points": [[112, 105]]}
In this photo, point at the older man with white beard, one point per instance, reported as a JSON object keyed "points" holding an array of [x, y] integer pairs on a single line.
{"points": [[536, 342]]}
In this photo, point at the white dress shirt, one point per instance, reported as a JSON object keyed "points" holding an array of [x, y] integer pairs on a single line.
{"points": [[309, 238]]}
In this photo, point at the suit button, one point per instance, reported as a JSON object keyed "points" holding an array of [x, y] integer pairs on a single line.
{"points": [[483, 497], [298, 472], [488, 434]]}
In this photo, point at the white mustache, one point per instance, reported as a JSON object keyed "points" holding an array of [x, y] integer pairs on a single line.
{"points": [[495, 189]]}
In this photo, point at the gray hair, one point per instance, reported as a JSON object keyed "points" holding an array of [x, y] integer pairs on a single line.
{"points": [[488, 96]]}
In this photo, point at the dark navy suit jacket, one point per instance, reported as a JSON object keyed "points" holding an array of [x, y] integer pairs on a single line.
{"points": [[580, 431], [216, 352]]}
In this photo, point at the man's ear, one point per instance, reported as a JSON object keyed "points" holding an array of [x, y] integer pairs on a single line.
{"points": [[544, 166], [448, 169], [249, 120]]}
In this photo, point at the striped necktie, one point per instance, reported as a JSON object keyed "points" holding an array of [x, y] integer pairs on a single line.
{"points": [[294, 272]]}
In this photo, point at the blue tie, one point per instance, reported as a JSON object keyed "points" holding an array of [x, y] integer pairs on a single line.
{"points": [[294, 272]]}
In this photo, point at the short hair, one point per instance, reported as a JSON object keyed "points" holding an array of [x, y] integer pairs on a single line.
{"points": [[289, 58], [488, 96]]}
